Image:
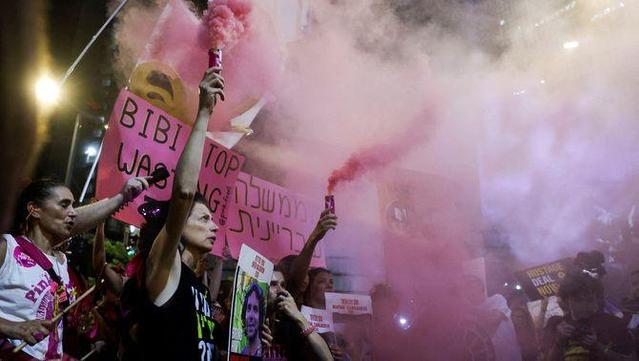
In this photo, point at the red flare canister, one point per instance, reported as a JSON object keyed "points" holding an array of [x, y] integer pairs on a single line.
{"points": [[215, 58], [329, 203]]}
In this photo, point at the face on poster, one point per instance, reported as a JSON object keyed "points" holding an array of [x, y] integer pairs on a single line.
{"points": [[252, 278]]}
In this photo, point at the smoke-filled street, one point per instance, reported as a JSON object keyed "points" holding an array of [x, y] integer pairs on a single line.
{"points": [[320, 180]]}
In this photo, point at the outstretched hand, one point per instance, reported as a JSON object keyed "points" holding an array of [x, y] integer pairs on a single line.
{"points": [[327, 221], [211, 86], [134, 187]]}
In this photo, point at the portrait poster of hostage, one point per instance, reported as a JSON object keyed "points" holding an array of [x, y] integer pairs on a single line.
{"points": [[250, 290]]}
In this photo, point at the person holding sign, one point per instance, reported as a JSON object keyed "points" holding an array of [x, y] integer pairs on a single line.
{"points": [[33, 274], [320, 282], [176, 320], [293, 336]]}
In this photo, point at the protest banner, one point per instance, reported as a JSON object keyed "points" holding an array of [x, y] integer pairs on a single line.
{"points": [[141, 138], [348, 304], [248, 311], [321, 319], [273, 220], [352, 320], [543, 280]]}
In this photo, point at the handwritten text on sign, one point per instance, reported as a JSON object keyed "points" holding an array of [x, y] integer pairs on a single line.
{"points": [[273, 220], [142, 138], [348, 304], [543, 281], [321, 319], [255, 265]]}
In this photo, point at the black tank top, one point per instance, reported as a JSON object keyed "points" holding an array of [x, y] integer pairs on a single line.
{"points": [[182, 328]]}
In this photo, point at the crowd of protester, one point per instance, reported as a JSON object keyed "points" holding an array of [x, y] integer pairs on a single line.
{"points": [[171, 302], [584, 324]]}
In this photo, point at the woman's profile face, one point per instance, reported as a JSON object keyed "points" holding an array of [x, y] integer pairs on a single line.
{"points": [[200, 229], [55, 215]]}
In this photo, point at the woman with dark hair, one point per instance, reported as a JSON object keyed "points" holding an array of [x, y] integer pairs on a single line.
{"points": [[175, 317], [253, 318], [320, 281], [33, 274], [293, 336]]}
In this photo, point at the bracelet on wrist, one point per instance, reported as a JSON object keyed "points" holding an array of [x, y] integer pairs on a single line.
{"points": [[307, 331]]}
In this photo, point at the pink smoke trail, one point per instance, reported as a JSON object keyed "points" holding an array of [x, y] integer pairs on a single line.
{"points": [[381, 155], [227, 21]]}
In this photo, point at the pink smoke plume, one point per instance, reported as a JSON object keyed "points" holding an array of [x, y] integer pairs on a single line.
{"points": [[171, 42], [180, 39], [228, 21], [380, 155]]}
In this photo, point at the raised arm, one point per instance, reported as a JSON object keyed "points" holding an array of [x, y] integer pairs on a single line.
{"points": [[102, 270], [163, 256], [302, 262], [92, 214]]}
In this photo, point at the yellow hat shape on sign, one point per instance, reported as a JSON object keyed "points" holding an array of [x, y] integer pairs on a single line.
{"points": [[161, 86]]}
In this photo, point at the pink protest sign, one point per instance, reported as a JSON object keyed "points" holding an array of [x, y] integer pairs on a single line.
{"points": [[273, 220], [141, 138]]}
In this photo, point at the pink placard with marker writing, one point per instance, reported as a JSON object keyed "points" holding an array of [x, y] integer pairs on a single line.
{"points": [[141, 138]]}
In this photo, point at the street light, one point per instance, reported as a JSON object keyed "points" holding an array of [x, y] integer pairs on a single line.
{"points": [[90, 151], [571, 44], [47, 91]]}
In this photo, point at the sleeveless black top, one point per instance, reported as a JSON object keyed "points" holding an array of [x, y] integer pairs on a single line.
{"points": [[182, 328]]}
